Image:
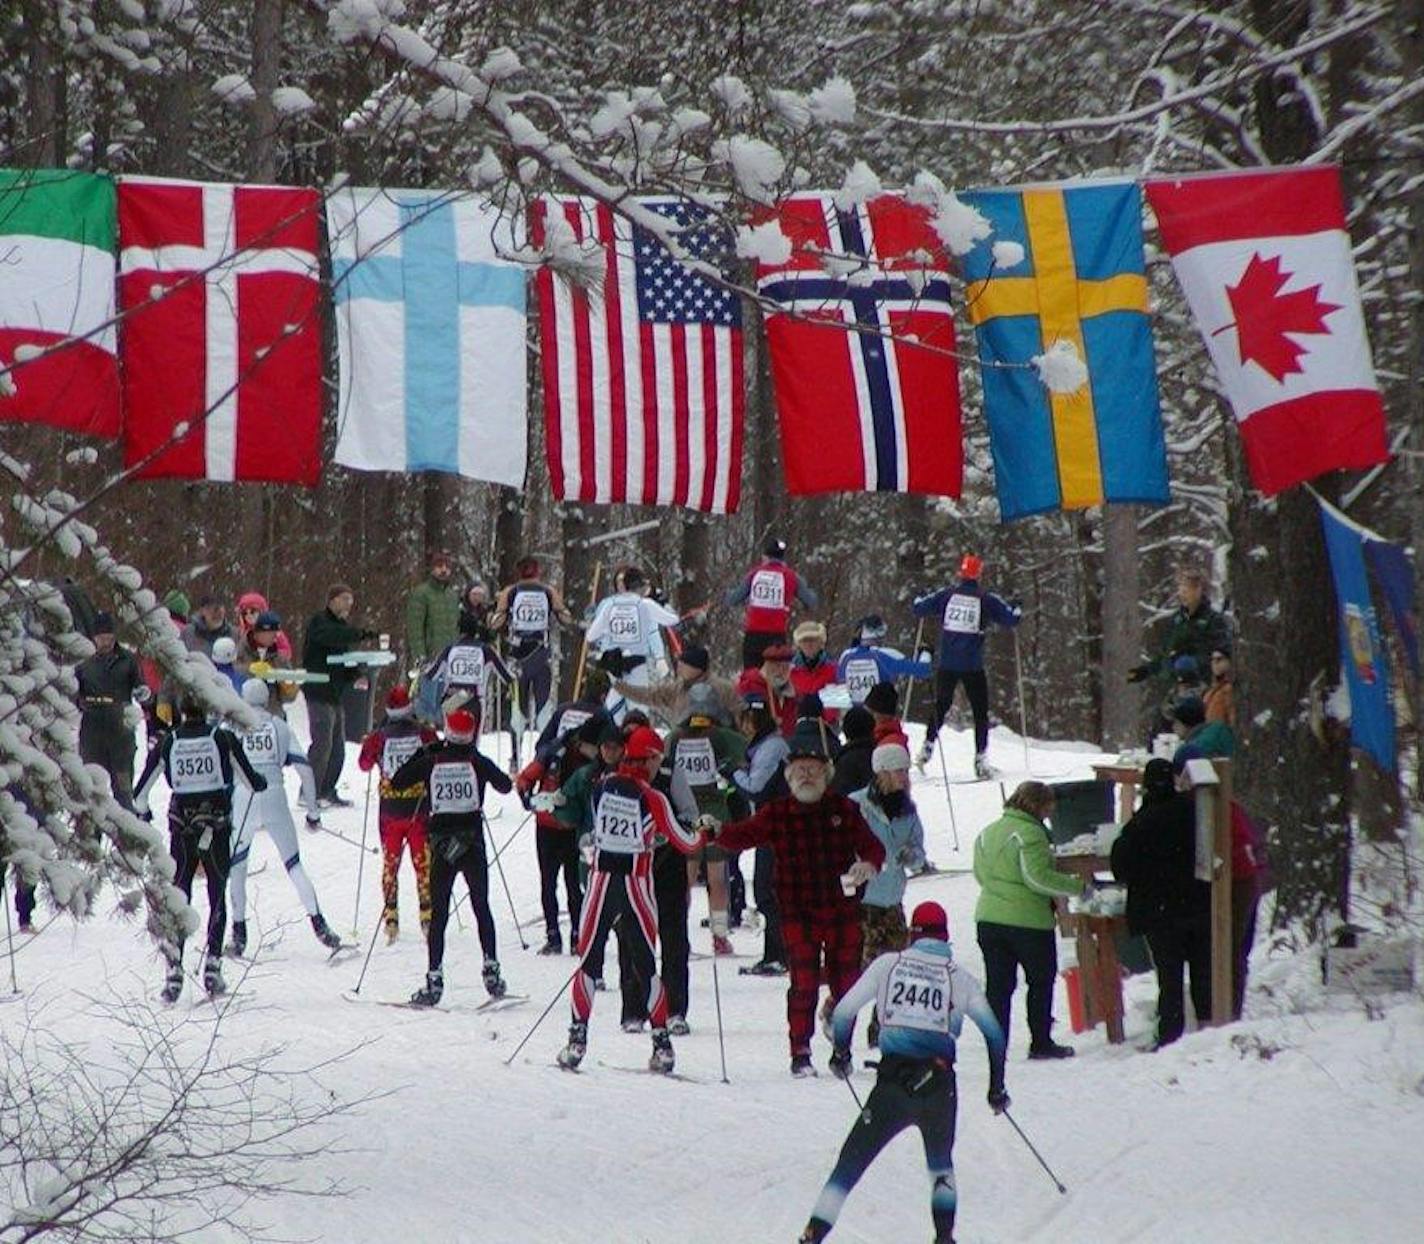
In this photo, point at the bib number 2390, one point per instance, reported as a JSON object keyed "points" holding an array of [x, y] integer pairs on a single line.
{"points": [[453, 789]]}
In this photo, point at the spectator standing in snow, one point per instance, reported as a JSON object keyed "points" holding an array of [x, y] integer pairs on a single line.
{"points": [[1220, 695], [207, 625], [330, 633], [108, 682], [432, 612]]}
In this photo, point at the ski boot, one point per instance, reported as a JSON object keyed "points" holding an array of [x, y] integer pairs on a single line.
{"points": [[572, 1054], [678, 1026], [324, 932], [213, 978], [553, 945], [801, 1066], [434, 989], [173, 982], [237, 945], [662, 1059], [982, 768], [840, 1064], [495, 984]]}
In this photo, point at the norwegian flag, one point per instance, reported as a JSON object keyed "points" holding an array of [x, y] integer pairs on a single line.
{"points": [[219, 288], [862, 350], [643, 399]]}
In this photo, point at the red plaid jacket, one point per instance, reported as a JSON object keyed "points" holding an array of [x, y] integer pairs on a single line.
{"points": [[813, 845]]}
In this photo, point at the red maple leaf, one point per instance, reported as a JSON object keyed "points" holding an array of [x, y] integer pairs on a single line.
{"points": [[1267, 319]]}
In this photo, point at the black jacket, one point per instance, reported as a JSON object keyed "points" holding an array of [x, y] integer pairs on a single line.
{"points": [[230, 753], [1155, 855], [418, 769], [328, 636], [107, 682], [853, 770]]}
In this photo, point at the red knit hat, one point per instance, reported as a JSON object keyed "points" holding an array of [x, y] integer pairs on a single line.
{"points": [[929, 920], [642, 744], [971, 567], [460, 726]]}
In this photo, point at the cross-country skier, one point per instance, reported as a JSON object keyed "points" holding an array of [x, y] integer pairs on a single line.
{"points": [[707, 754], [817, 838], [965, 612], [270, 747], [400, 813], [625, 635], [923, 997], [769, 590], [669, 699], [568, 742], [866, 662], [461, 671], [197, 759], [527, 608], [628, 815], [455, 774]]}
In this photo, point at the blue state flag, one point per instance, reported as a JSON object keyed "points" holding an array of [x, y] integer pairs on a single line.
{"points": [[1362, 654], [1065, 263]]}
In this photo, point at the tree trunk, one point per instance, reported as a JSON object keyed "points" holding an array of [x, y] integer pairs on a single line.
{"points": [[44, 81], [1121, 627], [266, 72]]}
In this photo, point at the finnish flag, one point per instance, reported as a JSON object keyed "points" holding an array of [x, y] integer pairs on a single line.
{"points": [[430, 326]]}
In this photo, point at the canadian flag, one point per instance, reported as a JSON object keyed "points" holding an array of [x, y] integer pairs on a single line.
{"points": [[1265, 262], [221, 330]]}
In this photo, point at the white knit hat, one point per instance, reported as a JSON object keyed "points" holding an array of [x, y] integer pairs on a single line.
{"points": [[889, 757]]}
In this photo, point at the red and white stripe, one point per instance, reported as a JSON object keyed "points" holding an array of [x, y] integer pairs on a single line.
{"points": [[638, 413]]}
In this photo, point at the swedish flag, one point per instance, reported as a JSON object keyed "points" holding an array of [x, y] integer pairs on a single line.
{"points": [[1082, 279]]}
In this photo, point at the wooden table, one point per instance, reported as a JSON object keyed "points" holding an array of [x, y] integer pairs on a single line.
{"points": [[1128, 779], [1099, 969]]}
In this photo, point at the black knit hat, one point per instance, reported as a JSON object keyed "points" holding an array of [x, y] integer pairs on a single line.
{"points": [[882, 699], [858, 724], [696, 656]]}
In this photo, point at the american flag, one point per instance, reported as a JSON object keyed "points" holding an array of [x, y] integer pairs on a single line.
{"points": [[643, 385]]}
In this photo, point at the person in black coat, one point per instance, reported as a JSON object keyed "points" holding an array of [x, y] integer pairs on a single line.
{"points": [[853, 771], [108, 681], [1155, 856]]}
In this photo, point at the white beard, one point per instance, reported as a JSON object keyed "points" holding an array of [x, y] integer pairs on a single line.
{"points": [[809, 790]]}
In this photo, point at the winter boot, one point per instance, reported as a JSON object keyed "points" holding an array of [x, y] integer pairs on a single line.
{"points": [[982, 767], [801, 1066], [1050, 1051], [764, 967], [553, 945], [324, 933], [434, 989], [662, 1059], [213, 978], [494, 982], [237, 945], [678, 1026], [722, 946], [840, 1064], [173, 982], [572, 1054]]}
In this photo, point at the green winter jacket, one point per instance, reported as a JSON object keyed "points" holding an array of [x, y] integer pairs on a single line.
{"points": [[432, 616], [1192, 635], [1013, 865], [1212, 739], [576, 811], [729, 750]]}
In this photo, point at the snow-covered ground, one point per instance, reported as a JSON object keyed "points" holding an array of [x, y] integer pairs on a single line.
{"points": [[1304, 1123]]}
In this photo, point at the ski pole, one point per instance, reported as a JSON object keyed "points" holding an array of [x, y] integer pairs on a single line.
{"points": [[351, 842], [361, 867], [553, 1002], [583, 649], [914, 656], [949, 799], [513, 835], [9, 924], [859, 1105], [513, 914], [717, 997], [1023, 711], [370, 950], [1057, 1183]]}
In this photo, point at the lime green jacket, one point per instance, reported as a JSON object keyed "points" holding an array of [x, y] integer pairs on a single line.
{"points": [[1013, 865]]}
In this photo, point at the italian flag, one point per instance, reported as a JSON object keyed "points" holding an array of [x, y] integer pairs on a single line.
{"points": [[58, 362]]}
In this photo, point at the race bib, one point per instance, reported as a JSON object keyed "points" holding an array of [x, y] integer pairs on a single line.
{"points": [[625, 625], [194, 767], [697, 761], [861, 673], [768, 590], [261, 745], [961, 614], [453, 788], [571, 719], [917, 995], [618, 825], [397, 751], [465, 666], [529, 613]]}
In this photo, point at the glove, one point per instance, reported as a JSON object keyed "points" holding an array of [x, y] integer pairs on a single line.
{"points": [[840, 1063], [999, 1099], [611, 661], [547, 800], [708, 824], [861, 871], [1139, 672], [1015, 603], [726, 769], [260, 669], [259, 784]]}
